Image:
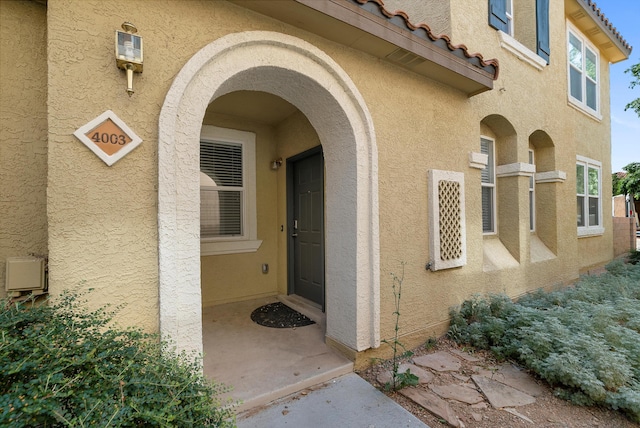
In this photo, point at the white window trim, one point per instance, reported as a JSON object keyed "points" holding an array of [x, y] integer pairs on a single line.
{"points": [[509, 13], [509, 43], [493, 186], [248, 241], [587, 230], [532, 193], [574, 102]]}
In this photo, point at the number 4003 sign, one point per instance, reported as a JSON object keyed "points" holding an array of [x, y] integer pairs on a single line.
{"points": [[108, 137]]}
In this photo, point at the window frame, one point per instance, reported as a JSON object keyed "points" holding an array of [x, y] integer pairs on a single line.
{"points": [[509, 14], [532, 194], [491, 163], [502, 18], [581, 104], [587, 229], [247, 241]]}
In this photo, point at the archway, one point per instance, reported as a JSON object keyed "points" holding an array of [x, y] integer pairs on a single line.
{"points": [[309, 79]]}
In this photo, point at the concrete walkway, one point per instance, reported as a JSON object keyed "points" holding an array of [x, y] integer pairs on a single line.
{"points": [[348, 401]]}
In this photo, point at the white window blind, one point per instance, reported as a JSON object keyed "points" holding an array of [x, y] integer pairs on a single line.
{"points": [[488, 187], [532, 196], [221, 197]]}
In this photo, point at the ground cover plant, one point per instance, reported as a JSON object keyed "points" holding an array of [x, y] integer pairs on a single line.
{"points": [[64, 366], [583, 340]]}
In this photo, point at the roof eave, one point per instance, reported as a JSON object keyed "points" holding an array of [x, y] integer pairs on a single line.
{"points": [[363, 25], [592, 22]]}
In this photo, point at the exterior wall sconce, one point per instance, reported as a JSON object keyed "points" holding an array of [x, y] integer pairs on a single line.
{"points": [[129, 52], [276, 164]]}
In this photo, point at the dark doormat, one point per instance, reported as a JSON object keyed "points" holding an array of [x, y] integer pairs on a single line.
{"points": [[279, 315]]}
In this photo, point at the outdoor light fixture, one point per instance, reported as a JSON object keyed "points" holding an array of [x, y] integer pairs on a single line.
{"points": [[129, 52], [276, 164]]}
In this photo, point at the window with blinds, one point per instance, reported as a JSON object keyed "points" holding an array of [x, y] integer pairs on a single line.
{"points": [[221, 189], [488, 186], [532, 195]]}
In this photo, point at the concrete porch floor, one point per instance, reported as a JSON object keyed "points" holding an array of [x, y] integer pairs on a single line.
{"points": [[263, 364]]}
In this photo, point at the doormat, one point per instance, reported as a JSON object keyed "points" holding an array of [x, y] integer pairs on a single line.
{"points": [[279, 315]]}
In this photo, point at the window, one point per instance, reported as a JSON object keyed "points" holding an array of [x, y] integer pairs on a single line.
{"points": [[583, 73], [509, 15], [588, 189], [532, 196], [527, 39], [227, 191], [488, 186]]}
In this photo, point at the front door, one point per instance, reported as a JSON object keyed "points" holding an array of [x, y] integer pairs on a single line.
{"points": [[307, 227]]}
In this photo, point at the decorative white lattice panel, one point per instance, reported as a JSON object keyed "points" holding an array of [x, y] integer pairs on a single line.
{"points": [[447, 230]]}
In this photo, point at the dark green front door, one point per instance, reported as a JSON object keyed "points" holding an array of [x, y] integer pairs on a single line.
{"points": [[307, 228]]}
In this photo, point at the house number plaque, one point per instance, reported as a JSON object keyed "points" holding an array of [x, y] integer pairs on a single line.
{"points": [[108, 137]]}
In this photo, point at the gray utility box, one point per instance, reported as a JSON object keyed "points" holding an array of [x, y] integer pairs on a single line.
{"points": [[26, 274]]}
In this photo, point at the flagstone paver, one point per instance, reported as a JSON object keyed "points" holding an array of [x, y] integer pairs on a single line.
{"points": [[501, 395], [439, 361], [465, 355], [516, 413], [457, 392], [424, 376], [432, 403], [515, 378]]}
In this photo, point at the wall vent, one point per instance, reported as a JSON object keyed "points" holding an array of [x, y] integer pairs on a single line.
{"points": [[447, 231], [405, 58]]}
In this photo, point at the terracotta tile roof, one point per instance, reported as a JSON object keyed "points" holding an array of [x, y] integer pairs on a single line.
{"points": [[442, 41], [598, 14]]}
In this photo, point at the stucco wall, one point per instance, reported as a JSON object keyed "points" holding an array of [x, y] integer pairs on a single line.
{"points": [[23, 134], [435, 13], [624, 235], [102, 220]]}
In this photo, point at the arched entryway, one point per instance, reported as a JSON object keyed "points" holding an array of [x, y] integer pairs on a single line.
{"points": [[310, 80]]}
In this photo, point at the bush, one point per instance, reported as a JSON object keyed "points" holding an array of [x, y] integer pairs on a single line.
{"points": [[584, 340], [61, 365]]}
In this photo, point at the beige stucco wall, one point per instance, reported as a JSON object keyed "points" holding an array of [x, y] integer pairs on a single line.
{"points": [[23, 134], [102, 220]]}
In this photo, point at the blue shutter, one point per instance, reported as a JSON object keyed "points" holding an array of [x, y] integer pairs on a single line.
{"points": [[542, 29], [498, 15]]}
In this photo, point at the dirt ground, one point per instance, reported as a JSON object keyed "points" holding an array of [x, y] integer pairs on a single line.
{"points": [[547, 411]]}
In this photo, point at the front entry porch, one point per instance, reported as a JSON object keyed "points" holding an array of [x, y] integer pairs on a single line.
{"points": [[262, 363]]}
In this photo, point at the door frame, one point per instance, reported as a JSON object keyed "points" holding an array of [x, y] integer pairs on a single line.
{"points": [[290, 209]]}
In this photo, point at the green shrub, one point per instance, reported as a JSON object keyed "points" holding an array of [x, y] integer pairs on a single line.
{"points": [[584, 340], [633, 257], [61, 365]]}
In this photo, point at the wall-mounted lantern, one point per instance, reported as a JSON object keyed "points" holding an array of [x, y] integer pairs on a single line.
{"points": [[129, 52], [276, 164]]}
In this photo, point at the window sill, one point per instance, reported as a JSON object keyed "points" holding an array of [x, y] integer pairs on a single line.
{"points": [[592, 231], [581, 108], [521, 51], [214, 248], [496, 256]]}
